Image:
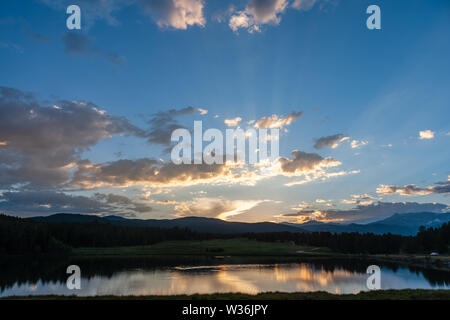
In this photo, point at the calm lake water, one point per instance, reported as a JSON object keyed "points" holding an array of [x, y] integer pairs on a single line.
{"points": [[173, 276]]}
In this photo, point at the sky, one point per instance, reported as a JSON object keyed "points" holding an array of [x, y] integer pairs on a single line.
{"points": [[86, 115]]}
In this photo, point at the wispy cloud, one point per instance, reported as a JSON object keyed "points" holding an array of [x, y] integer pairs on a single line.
{"points": [[215, 207], [356, 144], [426, 134], [202, 111], [78, 43], [232, 122], [276, 121]]}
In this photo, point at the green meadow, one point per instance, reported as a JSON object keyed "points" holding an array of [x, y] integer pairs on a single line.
{"points": [[216, 247]]}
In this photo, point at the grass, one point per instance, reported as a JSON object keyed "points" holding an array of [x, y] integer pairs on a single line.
{"points": [[216, 247], [406, 294]]}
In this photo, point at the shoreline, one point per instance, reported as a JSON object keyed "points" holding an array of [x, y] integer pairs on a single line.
{"points": [[404, 294]]}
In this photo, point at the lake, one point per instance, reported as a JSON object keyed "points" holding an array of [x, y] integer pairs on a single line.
{"points": [[169, 276]]}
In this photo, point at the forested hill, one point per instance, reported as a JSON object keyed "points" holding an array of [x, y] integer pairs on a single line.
{"points": [[198, 224], [19, 236]]}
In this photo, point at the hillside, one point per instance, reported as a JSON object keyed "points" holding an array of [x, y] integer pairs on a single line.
{"points": [[198, 224]]}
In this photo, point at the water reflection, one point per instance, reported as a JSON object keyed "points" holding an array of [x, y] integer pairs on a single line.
{"points": [[168, 277]]}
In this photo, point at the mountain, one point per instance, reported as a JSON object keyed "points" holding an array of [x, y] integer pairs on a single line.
{"points": [[403, 224], [199, 224]]}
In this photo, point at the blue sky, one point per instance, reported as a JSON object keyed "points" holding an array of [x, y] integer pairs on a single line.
{"points": [[377, 89]]}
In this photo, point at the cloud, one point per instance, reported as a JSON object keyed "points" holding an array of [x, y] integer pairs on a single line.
{"points": [[47, 202], [330, 141], [358, 201], [41, 144], [310, 166], [123, 202], [276, 121], [356, 144], [426, 134], [40, 37], [261, 12], [232, 122], [163, 123], [148, 172], [92, 10], [41, 147], [202, 111], [257, 13], [176, 14], [363, 196], [374, 211], [304, 4], [77, 43], [11, 46], [413, 190], [305, 162], [215, 207]]}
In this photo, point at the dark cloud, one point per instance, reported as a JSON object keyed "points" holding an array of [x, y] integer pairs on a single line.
{"points": [[162, 124], [301, 213], [144, 171], [78, 43], [266, 11], [39, 144], [303, 161], [123, 202], [330, 141], [40, 37], [92, 10], [26, 203]]}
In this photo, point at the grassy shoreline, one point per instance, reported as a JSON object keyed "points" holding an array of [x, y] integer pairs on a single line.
{"points": [[405, 294]]}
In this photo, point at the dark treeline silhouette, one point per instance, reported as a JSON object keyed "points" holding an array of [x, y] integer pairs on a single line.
{"points": [[19, 236], [426, 240]]}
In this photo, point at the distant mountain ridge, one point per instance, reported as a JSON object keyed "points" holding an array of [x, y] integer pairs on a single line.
{"points": [[199, 224], [399, 223], [403, 224]]}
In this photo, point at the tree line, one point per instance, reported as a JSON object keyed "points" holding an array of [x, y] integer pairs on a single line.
{"points": [[427, 240], [19, 236]]}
